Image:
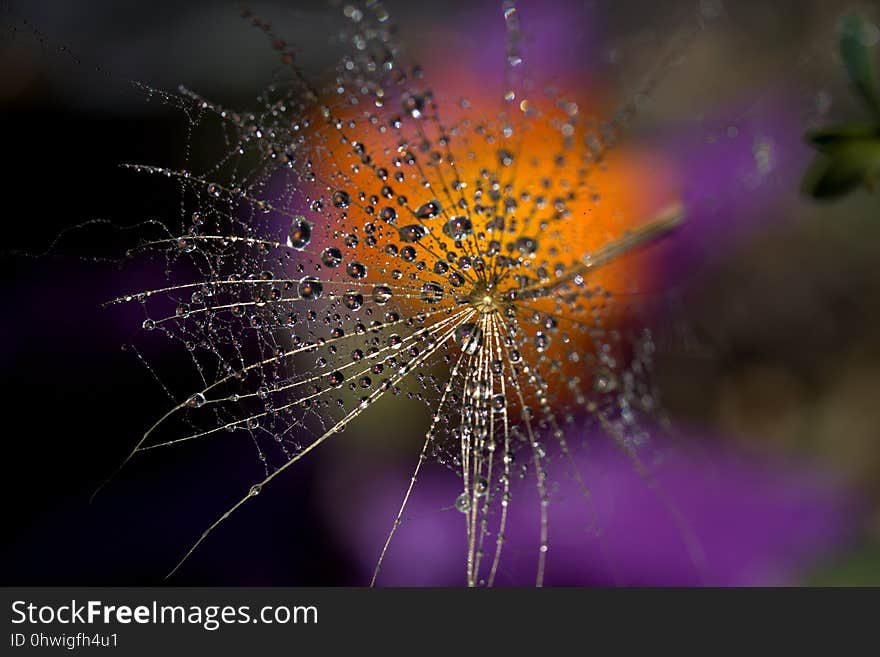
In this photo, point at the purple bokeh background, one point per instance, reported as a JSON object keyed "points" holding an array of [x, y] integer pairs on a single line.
{"points": [[757, 520]]}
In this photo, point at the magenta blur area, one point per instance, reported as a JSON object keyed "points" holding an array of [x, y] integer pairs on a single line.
{"points": [[759, 464]]}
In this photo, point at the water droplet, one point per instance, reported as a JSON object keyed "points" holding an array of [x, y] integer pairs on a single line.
{"points": [[412, 233], [542, 341], [432, 292], [462, 503], [341, 199], [331, 257], [310, 288], [299, 234], [458, 228], [389, 215], [527, 246], [604, 381], [356, 270], [381, 294], [353, 300], [429, 210], [469, 337], [196, 401], [414, 105]]}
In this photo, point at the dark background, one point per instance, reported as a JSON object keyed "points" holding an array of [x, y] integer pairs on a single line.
{"points": [[74, 402]]}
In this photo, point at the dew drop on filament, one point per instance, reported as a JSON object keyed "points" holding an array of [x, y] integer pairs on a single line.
{"points": [[300, 233], [469, 338]]}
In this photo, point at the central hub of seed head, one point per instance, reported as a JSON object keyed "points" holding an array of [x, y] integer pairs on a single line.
{"points": [[486, 298]]}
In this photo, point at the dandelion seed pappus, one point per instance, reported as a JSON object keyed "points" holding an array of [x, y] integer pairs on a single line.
{"points": [[476, 247]]}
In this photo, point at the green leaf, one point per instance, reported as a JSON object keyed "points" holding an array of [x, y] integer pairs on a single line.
{"points": [[842, 168], [827, 179], [860, 59], [855, 567], [829, 137]]}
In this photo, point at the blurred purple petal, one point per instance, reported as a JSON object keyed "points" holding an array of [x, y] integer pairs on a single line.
{"points": [[739, 172], [759, 522], [558, 39]]}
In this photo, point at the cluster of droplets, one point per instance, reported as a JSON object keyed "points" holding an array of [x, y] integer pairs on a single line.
{"points": [[375, 249]]}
